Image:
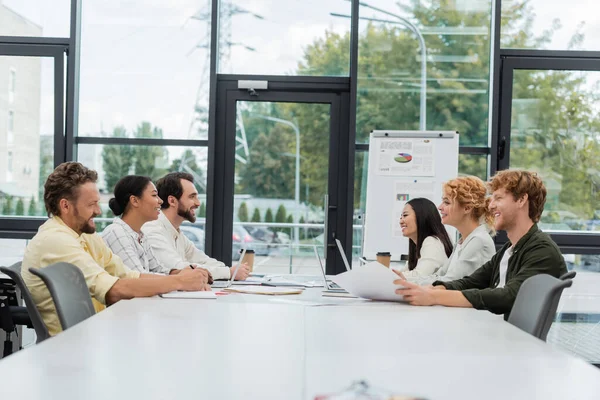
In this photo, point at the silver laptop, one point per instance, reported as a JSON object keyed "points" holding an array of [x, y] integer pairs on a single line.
{"points": [[343, 254], [331, 286], [226, 284]]}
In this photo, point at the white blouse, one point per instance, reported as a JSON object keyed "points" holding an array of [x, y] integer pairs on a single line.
{"points": [[433, 257], [468, 255]]}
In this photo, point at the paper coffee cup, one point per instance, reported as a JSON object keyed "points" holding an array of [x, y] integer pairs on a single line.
{"points": [[249, 259], [384, 258]]}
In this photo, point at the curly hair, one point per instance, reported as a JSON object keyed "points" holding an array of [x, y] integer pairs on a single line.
{"points": [[63, 183], [520, 183], [470, 191]]}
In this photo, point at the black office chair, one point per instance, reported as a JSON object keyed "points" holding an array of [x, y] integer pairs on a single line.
{"points": [[35, 319], [69, 291], [536, 303], [11, 314]]}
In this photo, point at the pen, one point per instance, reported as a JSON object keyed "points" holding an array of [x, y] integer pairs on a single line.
{"points": [[192, 266]]}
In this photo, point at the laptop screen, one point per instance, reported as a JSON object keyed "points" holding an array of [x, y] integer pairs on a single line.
{"points": [[343, 253], [321, 265]]}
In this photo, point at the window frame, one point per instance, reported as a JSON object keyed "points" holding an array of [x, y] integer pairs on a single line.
{"points": [[578, 242]]}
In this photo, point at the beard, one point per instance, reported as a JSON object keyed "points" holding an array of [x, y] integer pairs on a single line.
{"points": [[85, 226], [189, 214]]}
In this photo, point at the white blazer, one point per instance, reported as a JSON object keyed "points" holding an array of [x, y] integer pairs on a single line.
{"points": [[433, 257], [474, 251]]}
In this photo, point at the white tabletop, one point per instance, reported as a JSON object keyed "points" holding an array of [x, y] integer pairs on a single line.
{"points": [[246, 347]]}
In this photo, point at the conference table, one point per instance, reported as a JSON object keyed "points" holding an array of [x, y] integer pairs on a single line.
{"points": [[243, 346]]}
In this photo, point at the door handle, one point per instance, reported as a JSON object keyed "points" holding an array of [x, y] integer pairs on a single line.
{"points": [[502, 148]]}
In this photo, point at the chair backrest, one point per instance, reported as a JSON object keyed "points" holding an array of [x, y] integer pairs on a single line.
{"points": [[536, 303], [568, 275], [14, 273], [69, 291]]}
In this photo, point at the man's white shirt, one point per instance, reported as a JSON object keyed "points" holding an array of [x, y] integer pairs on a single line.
{"points": [[174, 250]]}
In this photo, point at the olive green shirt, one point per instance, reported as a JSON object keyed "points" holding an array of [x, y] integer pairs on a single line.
{"points": [[535, 253]]}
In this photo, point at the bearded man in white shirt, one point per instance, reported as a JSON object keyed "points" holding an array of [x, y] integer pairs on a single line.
{"points": [[170, 246]]}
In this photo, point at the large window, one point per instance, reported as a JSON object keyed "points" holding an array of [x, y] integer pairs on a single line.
{"points": [[293, 37], [550, 24], [549, 123], [145, 61], [27, 134], [555, 129], [424, 66], [35, 18], [112, 162]]}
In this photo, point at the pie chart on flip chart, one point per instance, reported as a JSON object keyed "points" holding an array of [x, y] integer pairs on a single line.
{"points": [[403, 158]]}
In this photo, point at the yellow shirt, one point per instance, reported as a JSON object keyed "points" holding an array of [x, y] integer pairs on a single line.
{"points": [[56, 242]]}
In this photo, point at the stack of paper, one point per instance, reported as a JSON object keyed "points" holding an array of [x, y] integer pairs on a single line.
{"points": [[372, 281], [268, 290], [189, 295]]}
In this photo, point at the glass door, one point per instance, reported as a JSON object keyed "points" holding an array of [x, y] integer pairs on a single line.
{"points": [[281, 184], [283, 180]]}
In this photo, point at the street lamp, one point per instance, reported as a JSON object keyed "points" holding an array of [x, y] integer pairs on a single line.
{"points": [[417, 32], [297, 183]]}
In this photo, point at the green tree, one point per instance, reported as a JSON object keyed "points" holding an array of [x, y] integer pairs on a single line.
{"points": [[32, 210], [20, 208], [289, 220], [150, 161], [303, 231], [269, 215], [117, 160], [202, 211], [46, 161], [243, 212], [101, 225], [7, 206], [280, 216], [188, 163], [255, 215], [269, 174]]}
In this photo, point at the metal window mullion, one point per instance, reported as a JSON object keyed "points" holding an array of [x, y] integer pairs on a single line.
{"points": [[140, 141]]}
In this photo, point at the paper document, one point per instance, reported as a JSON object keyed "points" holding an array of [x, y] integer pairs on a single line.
{"points": [[372, 281], [189, 295], [406, 157], [268, 290]]}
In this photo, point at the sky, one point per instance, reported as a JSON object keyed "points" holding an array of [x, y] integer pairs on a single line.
{"points": [[142, 60]]}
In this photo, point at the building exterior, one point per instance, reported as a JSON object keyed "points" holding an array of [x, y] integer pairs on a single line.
{"points": [[20, 100]]}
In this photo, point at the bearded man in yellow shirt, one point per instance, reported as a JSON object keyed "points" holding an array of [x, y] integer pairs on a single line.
{"points": [[72, 201]]}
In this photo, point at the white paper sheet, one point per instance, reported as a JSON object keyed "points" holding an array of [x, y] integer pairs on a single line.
{"points": [[408, 157], [371, 281], [189, 295]]}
